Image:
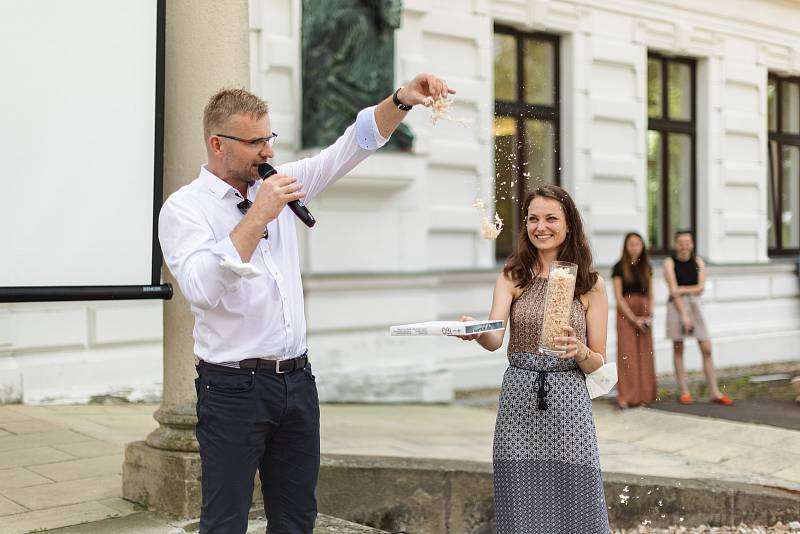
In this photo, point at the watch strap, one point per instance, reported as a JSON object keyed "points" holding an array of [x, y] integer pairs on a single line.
{"points": [[397, 103]]}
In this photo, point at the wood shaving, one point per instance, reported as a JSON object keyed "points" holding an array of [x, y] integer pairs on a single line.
{"points": [[440, 109], [489, 229], [558, 304]]}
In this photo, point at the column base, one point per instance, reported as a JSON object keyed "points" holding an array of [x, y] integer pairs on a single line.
{"points": [[167, 482], [176, 429]]}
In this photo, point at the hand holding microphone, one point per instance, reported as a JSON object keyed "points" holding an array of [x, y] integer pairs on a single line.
{"points": [[265, 170], [272, 197]]}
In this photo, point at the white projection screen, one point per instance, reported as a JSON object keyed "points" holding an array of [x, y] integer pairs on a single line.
{"points": [[81, 141]]}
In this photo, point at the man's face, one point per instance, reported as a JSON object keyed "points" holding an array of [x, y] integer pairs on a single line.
{"points": [[239, 160]]}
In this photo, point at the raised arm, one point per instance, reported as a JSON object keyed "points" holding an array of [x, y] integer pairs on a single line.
{"points": [[371, 130], [504, 292], [388, 116]]}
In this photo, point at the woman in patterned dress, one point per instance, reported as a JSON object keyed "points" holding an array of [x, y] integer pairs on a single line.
{"points": [[547, 476]]}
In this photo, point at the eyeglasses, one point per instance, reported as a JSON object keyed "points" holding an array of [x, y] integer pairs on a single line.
{"points": [[243, 206], [260, 142]]}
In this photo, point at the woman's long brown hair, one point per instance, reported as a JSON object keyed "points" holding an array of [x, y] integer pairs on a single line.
{"points": [[642, 264], [525, 260]]}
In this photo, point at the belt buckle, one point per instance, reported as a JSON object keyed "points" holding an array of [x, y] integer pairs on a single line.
{"points": [[278, 368]]}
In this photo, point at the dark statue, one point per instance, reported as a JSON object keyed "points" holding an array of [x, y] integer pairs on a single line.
{"points": [[348, 64]]}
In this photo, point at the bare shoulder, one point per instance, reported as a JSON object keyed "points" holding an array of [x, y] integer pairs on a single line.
{"points": [[503, 280], [599, 285], [596, 294], [700, 262], [506, 285], [668, 267]]}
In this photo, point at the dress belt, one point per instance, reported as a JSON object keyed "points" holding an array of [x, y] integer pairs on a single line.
{"points": [[542, 385]]}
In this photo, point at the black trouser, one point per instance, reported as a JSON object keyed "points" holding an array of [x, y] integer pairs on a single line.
{"points": [[248, 420]]}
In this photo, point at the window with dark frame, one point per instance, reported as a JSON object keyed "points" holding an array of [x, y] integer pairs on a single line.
{"points": [[671, 141], [526, 133], [783, 188]]}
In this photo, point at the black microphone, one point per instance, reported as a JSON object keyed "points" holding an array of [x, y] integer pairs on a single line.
{"points": [[265, 170]]}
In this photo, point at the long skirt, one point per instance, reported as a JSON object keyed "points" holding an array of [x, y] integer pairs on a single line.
{"points": [[636, 372], [547, 476]]}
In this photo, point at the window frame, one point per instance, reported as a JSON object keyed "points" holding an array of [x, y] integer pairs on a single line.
{"points": [[779, 139], [520, 111], [666, 126]]}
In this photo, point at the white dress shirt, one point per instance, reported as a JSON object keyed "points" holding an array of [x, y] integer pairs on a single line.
{"points": [[255, 309]]}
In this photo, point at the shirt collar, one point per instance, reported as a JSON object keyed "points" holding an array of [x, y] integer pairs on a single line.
{"points": [[218, 187]]}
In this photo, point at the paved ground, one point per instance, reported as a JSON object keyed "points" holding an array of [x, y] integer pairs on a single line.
{"points": [[61, 465], [780, 413]]}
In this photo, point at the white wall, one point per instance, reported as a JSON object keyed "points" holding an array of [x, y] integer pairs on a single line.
{"points": [[72, 352], [410, 229], [736, 43]]}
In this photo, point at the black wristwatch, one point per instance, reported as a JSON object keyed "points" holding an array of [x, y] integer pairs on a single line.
{"points": [[400, 105]]}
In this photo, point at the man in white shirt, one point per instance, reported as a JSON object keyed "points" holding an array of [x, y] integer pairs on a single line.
{"points": [[231, 244]]}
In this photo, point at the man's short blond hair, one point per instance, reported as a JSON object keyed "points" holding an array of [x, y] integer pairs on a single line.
{"points": [[226, 103]]}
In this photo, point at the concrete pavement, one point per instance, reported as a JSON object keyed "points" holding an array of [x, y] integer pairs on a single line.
{"points": [[61, 465]]}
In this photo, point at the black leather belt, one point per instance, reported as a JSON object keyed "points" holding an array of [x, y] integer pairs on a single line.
{"points": [[260, 365]]}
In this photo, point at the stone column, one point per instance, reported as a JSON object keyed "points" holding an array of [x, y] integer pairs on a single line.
{"points": [[207, 47]]}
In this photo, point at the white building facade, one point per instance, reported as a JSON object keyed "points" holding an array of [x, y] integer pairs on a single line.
{"points": [[654, 115]]}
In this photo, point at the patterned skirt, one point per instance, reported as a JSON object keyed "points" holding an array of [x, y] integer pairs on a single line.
{"points": [[547, 476]]}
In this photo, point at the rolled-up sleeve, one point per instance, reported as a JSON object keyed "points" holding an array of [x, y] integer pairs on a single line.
{"points": [[204, 268], [367, 132]]}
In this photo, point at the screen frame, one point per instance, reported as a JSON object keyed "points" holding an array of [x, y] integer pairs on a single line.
{"points": [[155, 289]]}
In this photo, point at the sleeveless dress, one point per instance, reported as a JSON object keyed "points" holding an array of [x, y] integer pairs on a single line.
{"points": [[546, 464]]}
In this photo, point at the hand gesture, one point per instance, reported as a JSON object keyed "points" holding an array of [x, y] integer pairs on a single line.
{"points": [[273, 195], [422, 86]]}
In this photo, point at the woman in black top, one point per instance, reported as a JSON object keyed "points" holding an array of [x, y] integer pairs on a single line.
{"points": [[685, 276], [636, 384]]}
